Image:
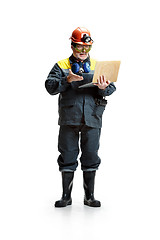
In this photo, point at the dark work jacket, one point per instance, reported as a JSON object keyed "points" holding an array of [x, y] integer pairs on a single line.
{"points": [[77, 105]]}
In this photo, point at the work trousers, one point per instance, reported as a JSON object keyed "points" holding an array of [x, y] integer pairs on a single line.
{"points": [[69, 147]]}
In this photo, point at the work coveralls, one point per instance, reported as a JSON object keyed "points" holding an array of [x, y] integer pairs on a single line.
{"points": [[80, 115]]}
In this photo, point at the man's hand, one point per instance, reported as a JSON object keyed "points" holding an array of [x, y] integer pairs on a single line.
{"points": [[73, 77], [101, 82]]}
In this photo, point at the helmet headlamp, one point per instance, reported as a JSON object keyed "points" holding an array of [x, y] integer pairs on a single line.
{"points": [[86, 38]]}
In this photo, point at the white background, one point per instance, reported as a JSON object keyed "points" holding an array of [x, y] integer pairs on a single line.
{"points": [[34, 35]]}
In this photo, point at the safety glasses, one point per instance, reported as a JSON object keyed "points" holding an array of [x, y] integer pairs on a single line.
{"points": [[80, 48]]}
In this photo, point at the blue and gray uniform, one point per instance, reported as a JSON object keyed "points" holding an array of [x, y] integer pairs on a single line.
{"points": [[80, 111]]}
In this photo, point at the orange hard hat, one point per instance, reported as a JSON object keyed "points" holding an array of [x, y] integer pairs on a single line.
{"points": [[82, 36]]}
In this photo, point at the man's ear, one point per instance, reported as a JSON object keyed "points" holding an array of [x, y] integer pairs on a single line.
{"points": [[72, 47]]}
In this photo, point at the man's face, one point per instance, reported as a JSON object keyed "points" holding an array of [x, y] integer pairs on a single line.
{"points": [[81, 51]]}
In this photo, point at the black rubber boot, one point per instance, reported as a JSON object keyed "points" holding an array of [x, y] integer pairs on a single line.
{"points": [[88, 183], [67, 183]]}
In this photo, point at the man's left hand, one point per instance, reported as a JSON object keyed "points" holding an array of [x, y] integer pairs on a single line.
{"points": [[102, 83]]}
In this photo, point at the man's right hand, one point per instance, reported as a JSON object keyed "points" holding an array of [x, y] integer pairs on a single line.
{"points": [[73, 77]]}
